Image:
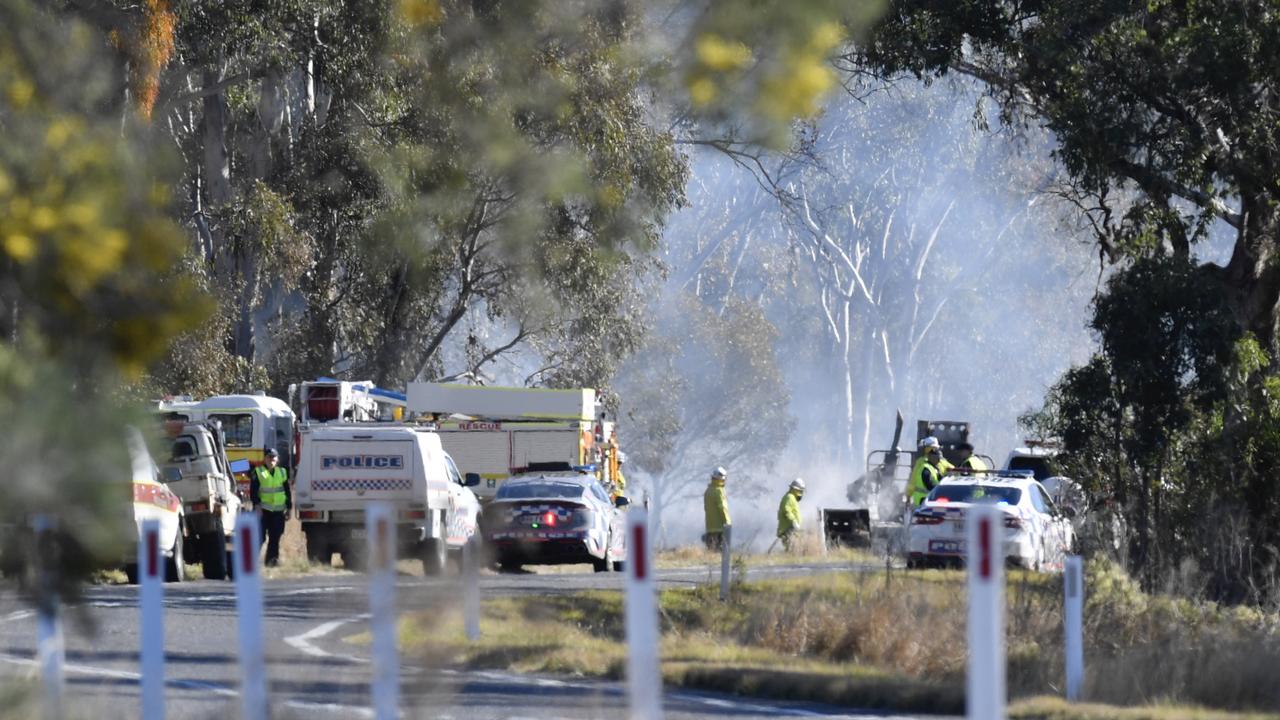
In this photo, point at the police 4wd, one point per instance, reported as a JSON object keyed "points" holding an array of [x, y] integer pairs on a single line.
{"points": [[344, 467], [198, 472]]}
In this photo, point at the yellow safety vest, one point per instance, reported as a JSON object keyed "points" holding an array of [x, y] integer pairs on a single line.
{"points": [[271, 488], [918, 488]]}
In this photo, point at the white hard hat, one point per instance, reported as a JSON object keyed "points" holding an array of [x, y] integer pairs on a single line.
{"points": [[930, 442], [622, 457], [797, 484], [719, 473]]}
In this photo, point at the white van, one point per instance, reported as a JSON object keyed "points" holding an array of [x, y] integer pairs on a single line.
{"points": [[343, 467]]}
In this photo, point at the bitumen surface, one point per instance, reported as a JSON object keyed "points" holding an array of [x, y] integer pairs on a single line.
{"points": [[315, 672]]}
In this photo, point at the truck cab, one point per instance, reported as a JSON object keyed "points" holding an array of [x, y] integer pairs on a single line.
{"points": [[343, 467], [198, 472]]}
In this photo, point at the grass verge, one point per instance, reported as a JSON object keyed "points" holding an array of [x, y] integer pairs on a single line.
{"points": [[894, 640]]}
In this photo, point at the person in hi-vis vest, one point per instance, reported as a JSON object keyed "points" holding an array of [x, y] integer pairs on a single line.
{"points": [[270, 494]]}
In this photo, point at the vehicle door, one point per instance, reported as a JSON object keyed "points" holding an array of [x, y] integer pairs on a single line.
{"points": [[464, 508], [1057, 528], [613, 520]]}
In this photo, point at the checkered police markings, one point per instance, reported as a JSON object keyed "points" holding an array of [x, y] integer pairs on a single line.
{"points": [[368, 485]]}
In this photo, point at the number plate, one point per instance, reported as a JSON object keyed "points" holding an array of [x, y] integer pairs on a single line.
{"points": [[946, 547], [358, 533]]}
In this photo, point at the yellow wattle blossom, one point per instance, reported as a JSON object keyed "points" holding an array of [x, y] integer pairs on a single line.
{"points": [[20, 247], [59, 132], [87, 259], [702, 91], [422, 13], [721, 55], [826, 37], [20, 92], [798, 91], [43, 219]]}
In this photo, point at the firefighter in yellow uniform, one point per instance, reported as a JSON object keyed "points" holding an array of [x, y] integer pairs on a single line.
{"points": [[925, 473], [620, 482], [715, 507], [789, 514], [270, 493]]}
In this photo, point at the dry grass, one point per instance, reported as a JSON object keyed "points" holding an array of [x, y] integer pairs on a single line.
{"points": [[897, 640]]}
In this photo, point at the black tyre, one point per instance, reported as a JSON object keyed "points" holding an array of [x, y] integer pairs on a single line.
{"points": [[175, 569], [602, 564], [213, 554], [435, 556], [354, 560], [131, 573], [318, 549], [619, 566]]}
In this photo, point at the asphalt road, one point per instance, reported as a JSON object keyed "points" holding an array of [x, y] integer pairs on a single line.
{"points": [[313, 673]]}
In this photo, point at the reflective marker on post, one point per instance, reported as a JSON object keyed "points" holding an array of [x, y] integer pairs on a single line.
{"points": [[380, 529], [1073, 613], [253, 663], [727, 541], [644, 676], [985, 696], [51, 652], [151, 620], [471, 590]]}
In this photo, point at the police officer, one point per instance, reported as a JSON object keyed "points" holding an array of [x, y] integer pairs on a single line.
{"points": [[968, 460], [270, 494], [789, 514], [715, 506], [925, 473]]}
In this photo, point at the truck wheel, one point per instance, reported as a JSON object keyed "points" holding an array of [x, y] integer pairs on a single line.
{"points": [[619, 566], [318, 550], [175, 569], [435, 556], [131, 573], [354, 560], [213, 554]]}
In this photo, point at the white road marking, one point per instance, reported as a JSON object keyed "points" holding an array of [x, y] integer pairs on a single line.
{"points": [[303, 642], [122, 675], [16, 616], [341, 710]]}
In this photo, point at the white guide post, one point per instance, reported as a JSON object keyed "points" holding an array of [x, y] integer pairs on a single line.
{"points": [[471, 590], [985, 696], [644, 675], [380, 527], [151, 620], [253, 662], [1073, 613], [50, 650], [725, 552]]}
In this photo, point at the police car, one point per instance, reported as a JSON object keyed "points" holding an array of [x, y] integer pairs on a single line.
{"points": [[557, 518], [1037, 532]]}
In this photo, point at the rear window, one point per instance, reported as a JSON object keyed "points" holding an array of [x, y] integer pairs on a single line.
{"points": [[237, 429], [184, 447], [523, 491], [977, 494], [1041, 467]]}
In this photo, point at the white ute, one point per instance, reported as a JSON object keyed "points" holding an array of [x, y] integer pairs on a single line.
{"points": [[344, 467]]}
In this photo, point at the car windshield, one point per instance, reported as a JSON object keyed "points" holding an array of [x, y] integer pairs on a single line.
{"points": [[521, 491], [1041, 467], [976, 494]]}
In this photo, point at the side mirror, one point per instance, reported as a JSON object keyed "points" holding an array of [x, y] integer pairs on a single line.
{"points": [[621, 501], [471, 480], [170, 473], [240, 466], [1068, 512]]}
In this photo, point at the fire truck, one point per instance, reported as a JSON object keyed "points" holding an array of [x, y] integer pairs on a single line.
{"points": [[498, 432]]}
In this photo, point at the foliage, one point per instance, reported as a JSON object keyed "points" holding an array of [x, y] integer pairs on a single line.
{"points": [[1165, 128], [89, 295]]}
